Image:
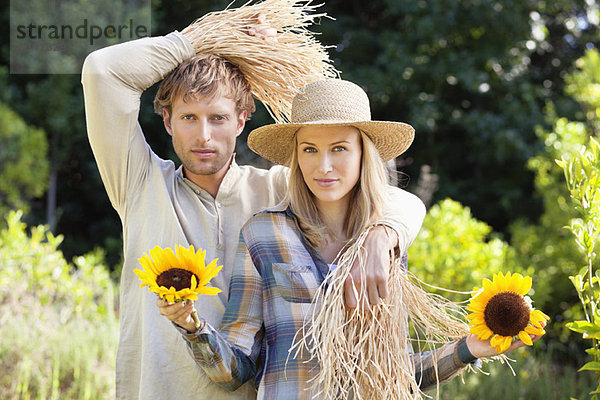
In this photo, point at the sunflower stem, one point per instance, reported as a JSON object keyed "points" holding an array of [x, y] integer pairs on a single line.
{"points": [[196, 319]]}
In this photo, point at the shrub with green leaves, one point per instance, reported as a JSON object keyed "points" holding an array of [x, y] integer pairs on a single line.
{"points": [[546, 245], [582, 174], [456, 251], [58, 323], [23, 161]]}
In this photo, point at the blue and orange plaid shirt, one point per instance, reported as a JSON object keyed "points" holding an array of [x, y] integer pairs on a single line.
{"points": [[276, 275]]}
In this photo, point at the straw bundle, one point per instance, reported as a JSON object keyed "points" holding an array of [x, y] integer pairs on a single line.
{"points": [[275, 69], [366, 353]]}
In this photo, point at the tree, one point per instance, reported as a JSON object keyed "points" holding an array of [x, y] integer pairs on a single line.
{"points": [[473, 77], [23, 161]]}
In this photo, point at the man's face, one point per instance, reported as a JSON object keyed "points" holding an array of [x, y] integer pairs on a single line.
{"points": [[204, 132]]}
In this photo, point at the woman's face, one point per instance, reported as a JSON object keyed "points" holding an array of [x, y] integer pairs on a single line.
{"points": [[329, 159]]}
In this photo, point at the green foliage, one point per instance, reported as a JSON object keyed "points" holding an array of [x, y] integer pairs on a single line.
{"points": [[58, 323], [424, 62], [455, 251], [584, 86], [472, 77], [534, 378], [546, 246], [23, 161], [582, 174]]}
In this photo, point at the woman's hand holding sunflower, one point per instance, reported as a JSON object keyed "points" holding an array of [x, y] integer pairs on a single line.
{"points": [[179, 313], [178, 277], [484, 349], [500, 313]]}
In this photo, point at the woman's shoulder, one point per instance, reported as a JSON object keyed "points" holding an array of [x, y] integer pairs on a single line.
{"points": [[271, 220]]}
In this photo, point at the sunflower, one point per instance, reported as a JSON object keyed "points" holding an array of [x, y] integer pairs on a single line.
{"points": [[501, 312], [177, 276]]}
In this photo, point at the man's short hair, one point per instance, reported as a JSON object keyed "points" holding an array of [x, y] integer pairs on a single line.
{"points": [[205, 75]]}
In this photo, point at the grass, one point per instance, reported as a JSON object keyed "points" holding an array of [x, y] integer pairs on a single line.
{"points": [[58, 324], [43, 359], [537, 378]]}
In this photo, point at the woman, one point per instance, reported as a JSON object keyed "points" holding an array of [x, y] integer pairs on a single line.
{"points": [[337, 188]]}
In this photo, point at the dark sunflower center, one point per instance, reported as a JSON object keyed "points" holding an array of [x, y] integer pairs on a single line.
{"points": [[506, 314], [177, 277]]}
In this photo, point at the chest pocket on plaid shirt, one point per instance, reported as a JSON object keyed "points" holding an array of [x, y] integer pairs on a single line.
{"points": [[295, 283]]}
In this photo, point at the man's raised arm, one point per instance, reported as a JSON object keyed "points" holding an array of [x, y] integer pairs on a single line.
{"points": [[113, 80]]}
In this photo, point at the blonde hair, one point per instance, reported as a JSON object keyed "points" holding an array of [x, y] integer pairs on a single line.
{"points": [[205, 75], [367, 197]]}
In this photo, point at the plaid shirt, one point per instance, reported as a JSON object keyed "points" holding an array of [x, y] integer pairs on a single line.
{"points": [[275, 277]]}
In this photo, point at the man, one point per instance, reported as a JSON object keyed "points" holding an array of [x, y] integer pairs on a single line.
{"points": [[204, 202]]}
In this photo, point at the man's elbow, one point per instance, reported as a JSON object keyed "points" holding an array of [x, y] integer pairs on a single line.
{"points": [[94, 65]]}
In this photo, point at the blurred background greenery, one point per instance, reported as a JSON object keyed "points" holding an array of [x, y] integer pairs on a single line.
{"points": [[497, 90]]}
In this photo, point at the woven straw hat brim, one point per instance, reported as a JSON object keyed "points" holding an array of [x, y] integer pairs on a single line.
{"points": [[275, 142]]}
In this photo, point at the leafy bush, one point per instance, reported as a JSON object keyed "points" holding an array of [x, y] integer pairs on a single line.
{"points": [[24, 148], [58, 324], [546, 245], [456, 251], [582, 173]]}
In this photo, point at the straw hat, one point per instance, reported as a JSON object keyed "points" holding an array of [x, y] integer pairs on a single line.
{"points": [[330, 102]]}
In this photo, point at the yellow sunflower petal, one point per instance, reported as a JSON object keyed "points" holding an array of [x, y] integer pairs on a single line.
{"points": [[147, 279], [487, 284], [536, 324], [209, 272], [148, 265], [505, 344], [200, 257], [171, 259], [524, 286], [513, 281], [477, 305], [164, 258], [198, 262], [187, 258], [501, 343], [534, 330], [498, 280], [212, 268], [481, 331], [525, 338], [495, 341], [476, 318], [538, 315], [169, 297], [477, 322], [209, 290], [186, 294], [192, 296], [504, 284], [155, 289]]}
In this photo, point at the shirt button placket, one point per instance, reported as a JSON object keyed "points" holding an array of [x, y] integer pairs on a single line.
{"points": [[220, 241]]}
